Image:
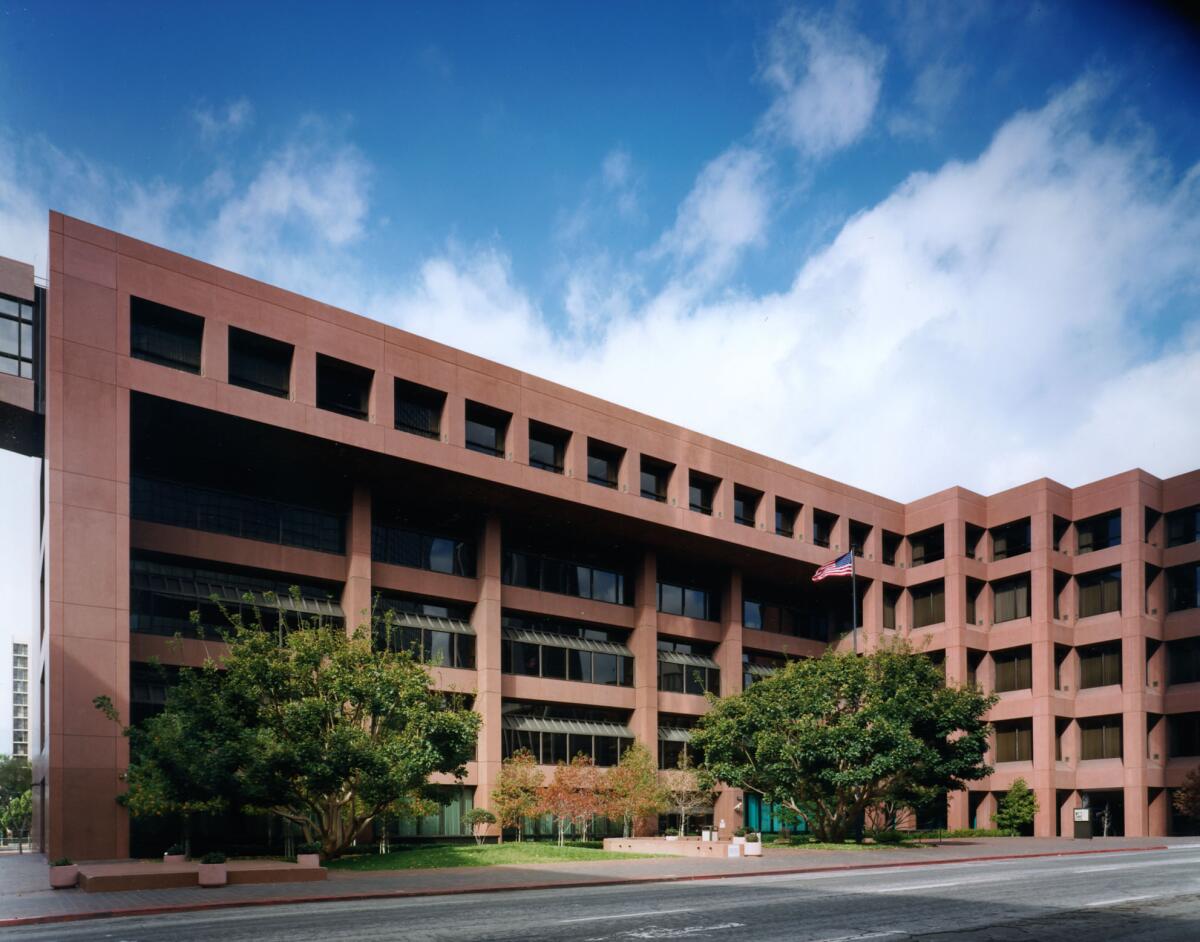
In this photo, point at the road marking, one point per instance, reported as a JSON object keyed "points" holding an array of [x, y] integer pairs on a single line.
{"points": [[653, 912], [944, 883], [653, 932], [1120, 900]]}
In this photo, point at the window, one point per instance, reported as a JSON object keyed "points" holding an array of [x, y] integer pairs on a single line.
{"points": [[438, 635], [1183, 587], [859, 533], [1014, 669], [1061, 581], [687, 667], [745, 505], [547, 447], [1014, 741], [419, 409], [260, 363], [891, 600], [542, 729], [487, 429], [701, 490], [1183, 661], [1061, 526], [974, 591], [16, 337], [1011, 539], [757, 666], [165, 335], [656, 476], [562, 577], [928, 546], [604, 463], [343, 387], [1010, 598], [1183, 526], [823, 524], [973, 535], [929, 603], [1100, 665], [538, 646], [417, 549], [1060, 662], [1099, 532], [796, 620], [1101, 737], [786, 514], [974, 659], [689, 601], [1183, 735], [891, 546], [1099, 591]]}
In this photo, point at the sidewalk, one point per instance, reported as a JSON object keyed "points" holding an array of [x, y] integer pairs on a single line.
{"points": [[25, 897]]}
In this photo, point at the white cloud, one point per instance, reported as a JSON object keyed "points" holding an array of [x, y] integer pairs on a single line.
{"points": [[827, 80], [221, 122]]}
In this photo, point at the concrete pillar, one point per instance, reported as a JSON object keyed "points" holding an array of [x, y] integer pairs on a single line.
{"points": [[644, 643], [729, 657], [486, 622], [356, 595], [1159, 813], [958, 810]]}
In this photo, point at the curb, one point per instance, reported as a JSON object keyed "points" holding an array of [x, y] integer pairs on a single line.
{"points": [[575, 884]]}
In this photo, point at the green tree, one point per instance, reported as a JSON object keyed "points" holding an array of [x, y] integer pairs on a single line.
{"points": [[16, 778], [687, 792], [1017, 808], [630, 790], [828, 738], [16, 817], [515, 796], [1186, 798], [476, 821], [324, 729]]}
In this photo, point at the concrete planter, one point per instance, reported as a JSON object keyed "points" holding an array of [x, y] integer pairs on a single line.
{"points": [[739, 840], [308, 860], [706, 835], [671, 837], [174, 858], [212, 874], [62, 878], [753, 849]]}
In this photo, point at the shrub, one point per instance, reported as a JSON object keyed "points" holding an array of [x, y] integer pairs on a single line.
{"points": [[62, 862], [740, 832], [216, 857], [310, 848], [176, 849], [1017, 808], [888, 836], [753, 837], [671, 832]]}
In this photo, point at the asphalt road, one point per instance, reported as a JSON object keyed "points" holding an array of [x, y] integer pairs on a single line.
{"points": [[1148, 897]]}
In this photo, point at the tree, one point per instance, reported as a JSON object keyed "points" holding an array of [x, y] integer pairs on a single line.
{"points": [[1017, 808], [17, 816], [324, 729], [570, 797], [515, 795], [16, 778], [630, 790], [828, 738], [476, 821], [1186, 798], [687, 793]]}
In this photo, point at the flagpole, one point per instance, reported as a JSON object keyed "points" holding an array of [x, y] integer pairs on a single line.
{"points": [[853, 601]]}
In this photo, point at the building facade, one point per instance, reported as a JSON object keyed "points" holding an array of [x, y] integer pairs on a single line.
{"points": [[583, 572]]}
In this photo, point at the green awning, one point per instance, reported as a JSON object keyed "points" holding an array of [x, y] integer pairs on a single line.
{"points": [[432, 622], [228, 594], [760, 670], [544, 724], [674, 734], [573, 643], [691, 660]]}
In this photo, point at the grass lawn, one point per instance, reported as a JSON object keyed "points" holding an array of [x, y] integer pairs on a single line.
{"points": [[472, 855]]}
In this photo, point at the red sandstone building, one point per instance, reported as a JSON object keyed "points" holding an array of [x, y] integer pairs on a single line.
{"points": [[583, 571]]}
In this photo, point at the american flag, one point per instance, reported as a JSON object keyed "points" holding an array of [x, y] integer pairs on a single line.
{"points": [[842, 566]]}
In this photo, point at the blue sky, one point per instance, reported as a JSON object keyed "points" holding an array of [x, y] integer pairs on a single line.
{"points": [[960, 237]]}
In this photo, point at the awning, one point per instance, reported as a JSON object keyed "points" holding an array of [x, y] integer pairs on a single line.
{"points": [[760, 670], [433, 622], [691, 660], [574, 643], [204, 591], [674, 734], [543, 724]]}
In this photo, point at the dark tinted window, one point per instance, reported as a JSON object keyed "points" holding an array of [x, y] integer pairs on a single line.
{"points": [[260, 363], [1099, 532], [1011, 539], [1010, 598], [487, 429], [165, 335], [1099, 592], [343, 387], [419, 409], [1100, 665]]}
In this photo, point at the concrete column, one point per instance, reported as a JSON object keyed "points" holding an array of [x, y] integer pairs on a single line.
{"points": [[1066, 816], [214, 353], [1159, 813], [958, 811], [729, 657], [644, 644], [486, 622], [356, 595]]}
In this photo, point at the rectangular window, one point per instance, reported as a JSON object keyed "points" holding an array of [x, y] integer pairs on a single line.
{"points": [[1183, 587], [973, 535], [929, 603], [547, 447], [604, 463], [419, 409], [974, 592], [1014, 669], [1099, 532], [1061, 526], [1014, 741], [859, 534], [891, 546], [1183, 660], [165, 335], [1099, 591], [891, 600], [487, 429], [1183, 735], [1101, 737], [1183, 526], [17, 344], [786, 515], [656, 476], [701, 490], [1010, 598], [547, 574], [260, 363], [928, 546], [1100, 665], [823, 524], [343, 387], [688, 601], [745, 505], [404, 546], [1011, 539]]}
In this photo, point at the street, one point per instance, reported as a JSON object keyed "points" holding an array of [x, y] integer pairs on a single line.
{"points": [[1151, 896]]}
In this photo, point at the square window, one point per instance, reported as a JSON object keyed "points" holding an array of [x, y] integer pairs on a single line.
{"points": [[701, 490], [260, 363], [165, 335], [418, 409], [343, 387], [745, 505], [604, 463], [487, 429], [547, 447], [656, 476]]}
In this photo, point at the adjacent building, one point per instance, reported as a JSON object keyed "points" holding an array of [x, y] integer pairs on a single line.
{"points": [[583, 572]]}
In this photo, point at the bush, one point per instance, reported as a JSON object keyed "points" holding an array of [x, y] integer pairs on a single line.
{"points": [[1018, 807], [888, 836], [753, 837], [740, 832], [310, 848], [176, 849], [216, 857], [62, 862], [671, 832]]}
